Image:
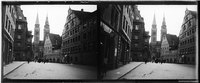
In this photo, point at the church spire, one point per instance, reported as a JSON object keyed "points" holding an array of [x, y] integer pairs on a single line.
{"points": [[37, 19], [164, 23], [47, 21], [154, 20]]}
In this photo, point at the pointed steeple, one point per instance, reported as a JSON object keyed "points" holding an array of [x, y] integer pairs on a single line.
{"points": [[164, 23], [154, 20], [37, 19], [47, 21]]}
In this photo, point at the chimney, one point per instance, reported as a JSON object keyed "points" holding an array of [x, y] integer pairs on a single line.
{"points": [[81, 10]]}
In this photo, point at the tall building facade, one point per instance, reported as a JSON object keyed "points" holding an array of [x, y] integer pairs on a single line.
{"points": [[79, 38], [115, 39], [139, 41], [22, 45], [9, 17], [36, 37], [188, 37]]}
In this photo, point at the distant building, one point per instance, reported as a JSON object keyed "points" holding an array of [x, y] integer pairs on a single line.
{"points": [[9, 17], [169, 48], [188, 38], [154, 44], [52, 48], [79, 38], [139, 44]]}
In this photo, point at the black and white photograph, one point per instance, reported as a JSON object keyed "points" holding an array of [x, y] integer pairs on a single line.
{"points": [[148, 41], [99, 41], [49, 42]]}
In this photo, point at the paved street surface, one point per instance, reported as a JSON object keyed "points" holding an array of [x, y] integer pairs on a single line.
{"points": [[119, 72], [52, 71], [162, 71]]}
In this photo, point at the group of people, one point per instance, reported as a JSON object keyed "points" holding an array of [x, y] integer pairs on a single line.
{"points": [[159, 61]]}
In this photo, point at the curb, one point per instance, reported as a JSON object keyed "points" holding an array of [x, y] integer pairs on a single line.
{"points": [[130, 71], [13, 70]]}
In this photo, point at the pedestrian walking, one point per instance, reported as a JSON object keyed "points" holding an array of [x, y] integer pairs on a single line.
{"points": [[105, 61]]}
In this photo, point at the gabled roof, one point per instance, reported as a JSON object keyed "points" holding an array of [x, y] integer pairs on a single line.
{"points": [[56, 40], [82, 14], [172, 41]]}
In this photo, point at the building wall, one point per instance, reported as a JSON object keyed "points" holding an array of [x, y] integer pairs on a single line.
{"points": [[8, 23], [126, 30], [187, 38], [47, 46], [113, 46], [21, 36], [164, 47], [138, 50], [80, 39]]}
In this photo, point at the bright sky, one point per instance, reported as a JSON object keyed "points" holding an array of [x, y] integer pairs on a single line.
{"points": [[174, 15], [56, 14]]}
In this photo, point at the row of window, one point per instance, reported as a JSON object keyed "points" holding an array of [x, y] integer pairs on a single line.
{"points": [[189, 50], [187, 41], [87, 35], [77, 49], [72, 40], [77, 28], [188, 33], [126, 27], [47, 49], [165, 48], [74, 49]]}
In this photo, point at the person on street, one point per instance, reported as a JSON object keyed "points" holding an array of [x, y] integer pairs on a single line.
{"points": [[105, 66]]}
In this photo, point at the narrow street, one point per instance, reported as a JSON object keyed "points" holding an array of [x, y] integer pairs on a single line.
{"points": [[53, 71], [162, 71]]}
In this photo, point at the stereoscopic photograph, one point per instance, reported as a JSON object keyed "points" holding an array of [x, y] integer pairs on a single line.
{"points": [[148, 41], [49, 41], [103, 42]]}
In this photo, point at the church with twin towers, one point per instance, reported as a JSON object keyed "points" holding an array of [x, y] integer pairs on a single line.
{"points": [[155, 46], [40, 47], [166, 48]]}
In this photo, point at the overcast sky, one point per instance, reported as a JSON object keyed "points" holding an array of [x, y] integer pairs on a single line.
{"points": [[56, 14], [174, 15]]}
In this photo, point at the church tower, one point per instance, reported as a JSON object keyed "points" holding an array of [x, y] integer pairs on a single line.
{"points": [[36, 37], [46, 28], [37, 31], [154, 31], [163, 29]]}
